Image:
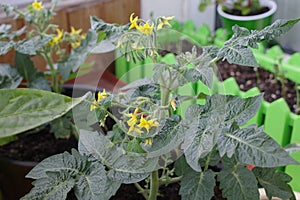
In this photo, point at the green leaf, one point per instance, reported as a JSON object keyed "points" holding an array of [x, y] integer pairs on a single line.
{"points": [[92, 183], [199, 142], [111, 30], [170, 135], [239, 55], [5, 47], [204, 74], [236, 51], [72, 163], [292, 148], [138, 83], [98, 146], [23, 109], [238, 183], [197, 186], [63, 127], [181, 165], [34, 78], [55, 186], [252, 146], [31, 46], [9, 77], [134, 145], [241, 110], [275, 183], [127, 178], [77, 56]]}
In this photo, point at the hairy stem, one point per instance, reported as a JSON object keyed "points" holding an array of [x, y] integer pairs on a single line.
{"points": [[154, 184], [141, 190]]}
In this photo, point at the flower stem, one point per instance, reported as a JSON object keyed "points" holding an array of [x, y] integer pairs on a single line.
{"points": [[154, 184], [54, 74]]}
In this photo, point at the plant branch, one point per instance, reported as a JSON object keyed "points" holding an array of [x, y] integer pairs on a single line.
{"points": [[141, 190], [154, 184]]}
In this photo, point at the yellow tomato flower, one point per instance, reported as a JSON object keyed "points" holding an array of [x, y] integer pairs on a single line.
{"points": [[101, 95], [133, 120], [134, 129], [93, 106], [147, 124], [133, 22], [148, 141], [57, 38], [164, 21], [146, 28], [173, 104], [74, 31], [37, 5]]}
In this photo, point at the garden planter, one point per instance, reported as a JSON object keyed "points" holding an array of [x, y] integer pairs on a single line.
{"points": [[250, 22]]}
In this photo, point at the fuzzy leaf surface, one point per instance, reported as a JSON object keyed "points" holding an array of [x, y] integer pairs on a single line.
{"points": [[252, 146], [239, 183], [22, 109], [96, 145], [197, 186], [275, 183], [55, 186], [9, 77]]}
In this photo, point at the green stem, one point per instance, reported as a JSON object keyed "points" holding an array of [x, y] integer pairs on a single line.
{"points": [[141, 190], [54, 74], [154, 184], [169, 181]]}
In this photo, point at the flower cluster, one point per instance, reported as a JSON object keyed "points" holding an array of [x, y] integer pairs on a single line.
{"points": [[100, 96]]}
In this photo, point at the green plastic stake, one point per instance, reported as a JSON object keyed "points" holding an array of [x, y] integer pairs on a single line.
{"points": [[169, 59], [121, 67], [231, 87], [293, 170], [188, 89], [275, 52], [203, 35], [294, 59], [276, 122]]}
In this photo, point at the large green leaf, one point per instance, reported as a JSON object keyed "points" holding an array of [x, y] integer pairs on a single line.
{"points": [[89, 178], [274, 182], [252, 146], [199, 141], [22, 109], [197, 186], [204, 74], [9, 77], [236, 50], [55, 186], [101, 148], [238, 183], [127, 178]]}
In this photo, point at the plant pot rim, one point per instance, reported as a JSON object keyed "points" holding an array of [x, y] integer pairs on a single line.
{"points": [[268, 3]]}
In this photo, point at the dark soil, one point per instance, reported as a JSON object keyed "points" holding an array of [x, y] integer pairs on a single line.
{"points": [[267, 83], [36, 146], [239, 13]]}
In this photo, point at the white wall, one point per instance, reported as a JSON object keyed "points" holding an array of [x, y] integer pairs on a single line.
{"points": [[181, 9]]}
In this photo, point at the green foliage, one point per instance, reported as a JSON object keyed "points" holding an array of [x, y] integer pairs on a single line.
{"points": [[24, 109], [9, 77], [58, 174], [149, 132]]}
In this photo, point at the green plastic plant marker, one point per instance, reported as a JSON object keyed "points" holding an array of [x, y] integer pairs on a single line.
{"points": [[292, 72], [265, 61], [121, 66], [188, 89], [294, 59], [169, 59], [275, 52], [231, 87], [276, 121], [293, 170]]}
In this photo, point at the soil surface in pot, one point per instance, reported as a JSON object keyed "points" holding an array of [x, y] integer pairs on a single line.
{"points": [[239, 13], [36, 146], [246, 78]]}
